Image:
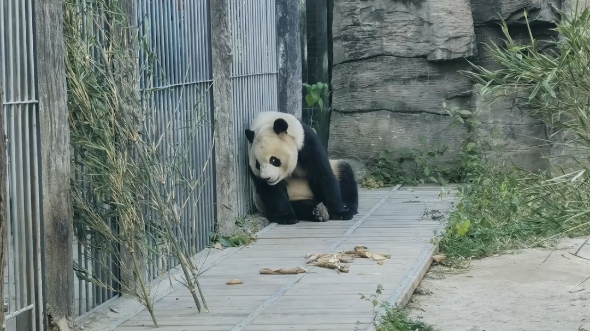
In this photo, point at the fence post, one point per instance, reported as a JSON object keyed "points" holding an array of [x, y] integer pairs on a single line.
{"points": [[3, 215], [55, 161], [289, 54], [221, 54]]}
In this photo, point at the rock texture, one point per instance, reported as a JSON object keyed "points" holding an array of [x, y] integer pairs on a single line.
{"points": [[364, 134], [539, 11], [518, 139], [397, 61], [405, 85], [438, 30]]}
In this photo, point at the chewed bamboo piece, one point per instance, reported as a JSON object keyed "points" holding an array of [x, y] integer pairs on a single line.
{"points": [[339, 261]]}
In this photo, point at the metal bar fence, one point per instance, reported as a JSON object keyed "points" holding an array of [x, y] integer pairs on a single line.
{"points": [[23, 277], [175, 79], [175, 70], [254, 78]]}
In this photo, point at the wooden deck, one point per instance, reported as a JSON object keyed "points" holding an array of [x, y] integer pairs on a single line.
{"points": [[398, 221]]}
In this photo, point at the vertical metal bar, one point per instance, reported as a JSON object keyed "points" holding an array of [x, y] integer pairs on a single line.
{"points": [[15, 199], [30, 232], [10, 228], [22, 221]]}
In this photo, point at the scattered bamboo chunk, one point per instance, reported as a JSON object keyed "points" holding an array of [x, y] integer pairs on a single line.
{"points": [[362, 251], [234, 281], [380, 257], [283, 271], [339, 261]]}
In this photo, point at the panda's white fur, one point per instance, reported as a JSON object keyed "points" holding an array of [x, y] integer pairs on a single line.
{"points": [[265, 120], [269, 144], [298, 187]]}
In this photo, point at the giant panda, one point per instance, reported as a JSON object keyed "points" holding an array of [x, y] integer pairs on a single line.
{"points": [[282, 151]]}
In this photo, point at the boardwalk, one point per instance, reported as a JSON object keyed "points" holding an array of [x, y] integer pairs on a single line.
{"points": [[398, 221]]}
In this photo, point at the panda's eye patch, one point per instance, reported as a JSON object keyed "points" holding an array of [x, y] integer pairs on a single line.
{"points": [[274, 161], [257, 165]]}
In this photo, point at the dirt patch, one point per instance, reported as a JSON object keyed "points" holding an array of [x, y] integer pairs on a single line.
{"points": [[525, 291]]}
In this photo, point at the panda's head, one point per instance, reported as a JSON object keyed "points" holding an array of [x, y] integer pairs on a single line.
{"points": [[275, 139]]}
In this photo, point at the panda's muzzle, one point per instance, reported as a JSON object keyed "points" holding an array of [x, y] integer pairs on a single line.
{"points": [[270, 181]]}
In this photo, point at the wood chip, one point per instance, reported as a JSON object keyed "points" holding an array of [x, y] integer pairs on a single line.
{"points": [[380, 257], [218, 245], [234, 281], [283, 271], [439, 258]]}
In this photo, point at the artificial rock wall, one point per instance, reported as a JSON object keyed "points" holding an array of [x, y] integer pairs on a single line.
{"points": [[397, 61]]}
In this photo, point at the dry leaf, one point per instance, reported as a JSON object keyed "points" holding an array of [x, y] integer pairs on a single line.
{"points": [[234, 281], [439, 258], [218, 245], [283, 271]]}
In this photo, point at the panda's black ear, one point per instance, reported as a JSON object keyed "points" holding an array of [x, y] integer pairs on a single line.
{"points": [[250, 135], [280, 126]]}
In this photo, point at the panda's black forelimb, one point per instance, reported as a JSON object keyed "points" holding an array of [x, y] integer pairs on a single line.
{"points": [[313, 159], [276, 202]]}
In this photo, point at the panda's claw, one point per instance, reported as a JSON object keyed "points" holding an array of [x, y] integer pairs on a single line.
{"points": [[285, 220], [320, 212]]}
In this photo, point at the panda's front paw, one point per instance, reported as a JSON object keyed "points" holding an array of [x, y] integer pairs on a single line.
{"points": [[320, 212], [285, 220]]}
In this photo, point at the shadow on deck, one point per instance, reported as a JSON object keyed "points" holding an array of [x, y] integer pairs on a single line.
{"points": [[398, 221]]}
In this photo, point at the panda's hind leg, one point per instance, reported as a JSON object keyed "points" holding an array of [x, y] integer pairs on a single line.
{"points": [[310, 210], [348, 187]]}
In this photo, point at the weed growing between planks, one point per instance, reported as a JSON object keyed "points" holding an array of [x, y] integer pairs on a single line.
{"points": [[388, 318], [245, 235]]}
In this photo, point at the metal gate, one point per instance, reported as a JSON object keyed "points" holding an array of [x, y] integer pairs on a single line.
{"points": [[23, 277]]}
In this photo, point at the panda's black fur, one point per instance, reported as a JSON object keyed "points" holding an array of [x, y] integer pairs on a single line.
{"points": [[304, 204], [340, 196]]}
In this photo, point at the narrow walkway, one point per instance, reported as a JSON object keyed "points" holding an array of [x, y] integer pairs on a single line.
{"points": [[399, 221]]}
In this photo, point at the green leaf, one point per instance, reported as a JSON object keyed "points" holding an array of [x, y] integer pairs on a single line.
{"points": [[463, 228], [321, 103], [315, 94], [465, 112], [310, 100], [470, 146], [225, 242], [426, 171]]}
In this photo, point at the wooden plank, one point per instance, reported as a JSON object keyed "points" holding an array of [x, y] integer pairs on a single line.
{"points": [[289, 56], [55, 159], [322, 296], [222, 57]]}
